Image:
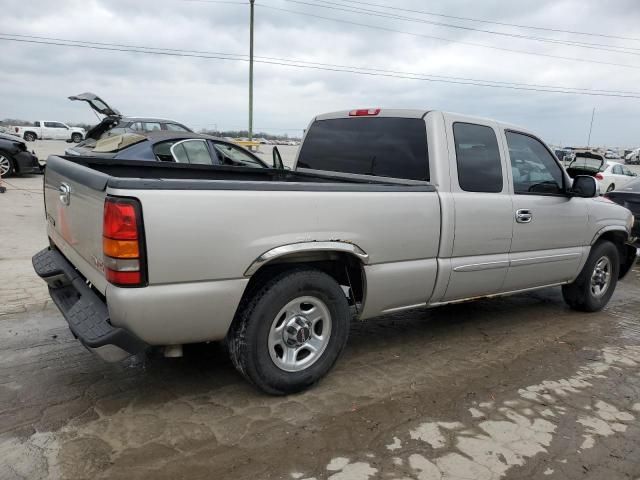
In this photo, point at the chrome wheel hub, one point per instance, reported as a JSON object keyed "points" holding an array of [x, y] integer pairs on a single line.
{"points": [[297, 331], [299, 334], [4, 165], [601, 277]]}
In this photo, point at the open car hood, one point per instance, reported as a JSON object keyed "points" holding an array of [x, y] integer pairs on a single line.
{"points": [[97, 104]]}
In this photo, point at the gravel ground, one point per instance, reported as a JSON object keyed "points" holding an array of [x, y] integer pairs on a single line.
{"points": [[518, 387]]}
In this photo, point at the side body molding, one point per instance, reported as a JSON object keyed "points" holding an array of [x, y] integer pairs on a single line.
{"points": [[302, 247]]}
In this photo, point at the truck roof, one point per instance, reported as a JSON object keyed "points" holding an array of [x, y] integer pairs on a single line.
{"points": [[416, 113]]}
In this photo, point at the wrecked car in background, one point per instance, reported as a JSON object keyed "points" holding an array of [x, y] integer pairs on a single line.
{"points": [[114, 123]]}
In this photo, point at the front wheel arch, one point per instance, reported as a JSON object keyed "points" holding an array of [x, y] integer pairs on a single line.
{"points": [[619, 239], [13, 165]]}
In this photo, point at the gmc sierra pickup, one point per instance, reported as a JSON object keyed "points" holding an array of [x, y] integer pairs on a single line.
{"points": [[384, 210]]}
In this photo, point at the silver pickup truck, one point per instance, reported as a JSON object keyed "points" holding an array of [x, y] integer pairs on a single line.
{"points": [[383, 211]]}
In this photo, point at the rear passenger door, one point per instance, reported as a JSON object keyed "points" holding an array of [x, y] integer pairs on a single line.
{"points": [[483, 210], [49, 130], [549, 226]]}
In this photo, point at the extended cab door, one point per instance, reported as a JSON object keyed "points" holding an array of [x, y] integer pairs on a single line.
{"points": [[483, 211], [55, 131], [549, 226]]}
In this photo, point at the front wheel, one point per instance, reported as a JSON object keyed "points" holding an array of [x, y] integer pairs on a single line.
{"points": [[76, 138], [6, 165], [291, 331], [593, 288]]}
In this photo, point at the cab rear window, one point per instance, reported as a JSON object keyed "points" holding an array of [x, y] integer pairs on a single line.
{"points": [[383, 146]]}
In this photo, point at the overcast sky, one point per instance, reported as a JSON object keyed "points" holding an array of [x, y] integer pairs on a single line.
{"points": [[36, 79]]}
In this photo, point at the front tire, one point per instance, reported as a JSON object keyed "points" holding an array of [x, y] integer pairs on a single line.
{"points": [[76, 138], [290, 332], [593, 288], [7, 166]]}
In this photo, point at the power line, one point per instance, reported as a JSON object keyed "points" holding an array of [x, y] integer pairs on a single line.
{"points": [[353, 70], [376, 27], [493, 22], [376, 13], [299, 61]]}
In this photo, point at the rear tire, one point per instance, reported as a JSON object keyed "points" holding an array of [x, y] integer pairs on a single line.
{"points": [[7, 165], [30, 137], [591, 291], [288, 334]]}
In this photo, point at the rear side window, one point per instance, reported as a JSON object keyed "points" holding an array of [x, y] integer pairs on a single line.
{"points": [[382, 146], [192, 151], [478, 158], [174, 127]]}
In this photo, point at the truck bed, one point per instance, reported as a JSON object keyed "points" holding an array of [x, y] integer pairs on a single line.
{"points": [[100, 173]]}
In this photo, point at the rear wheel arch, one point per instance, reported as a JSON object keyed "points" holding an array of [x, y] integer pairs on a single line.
{"points": [[28, 134], [345, 268]]}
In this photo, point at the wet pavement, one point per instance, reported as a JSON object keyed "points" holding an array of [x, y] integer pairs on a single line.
{"points": [[519, 387]]}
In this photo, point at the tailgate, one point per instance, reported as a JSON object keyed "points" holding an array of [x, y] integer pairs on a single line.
{"points": [[74, 202]]}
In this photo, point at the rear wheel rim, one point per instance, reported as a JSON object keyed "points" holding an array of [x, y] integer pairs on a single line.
{"points": [[299, 334], [5, 165], [601, 277]]}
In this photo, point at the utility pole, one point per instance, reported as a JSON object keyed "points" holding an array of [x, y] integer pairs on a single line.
{"points": [[251, 72], [590, 127]]}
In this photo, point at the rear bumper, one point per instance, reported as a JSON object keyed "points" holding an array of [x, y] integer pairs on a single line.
{"points": [[84, 310]]}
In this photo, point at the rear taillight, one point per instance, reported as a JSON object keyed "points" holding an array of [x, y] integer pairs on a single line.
{"points": [[599, 176], [122, 242], [364, 112]]}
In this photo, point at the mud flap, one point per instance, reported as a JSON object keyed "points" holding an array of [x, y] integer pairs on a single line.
{"points": [[631, 256]]}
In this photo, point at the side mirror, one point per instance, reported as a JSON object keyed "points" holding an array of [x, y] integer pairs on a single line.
{"points": [[584, 186], [277, 159]]}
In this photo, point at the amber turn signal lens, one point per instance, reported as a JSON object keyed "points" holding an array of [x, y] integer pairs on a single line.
{"points": [[120, 248]]}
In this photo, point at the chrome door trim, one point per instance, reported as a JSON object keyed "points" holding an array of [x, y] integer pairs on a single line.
{"points": [[476, 267], [544, 259]]}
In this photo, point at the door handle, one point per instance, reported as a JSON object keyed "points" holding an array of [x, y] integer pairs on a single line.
{"points": [[524, 215]]}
